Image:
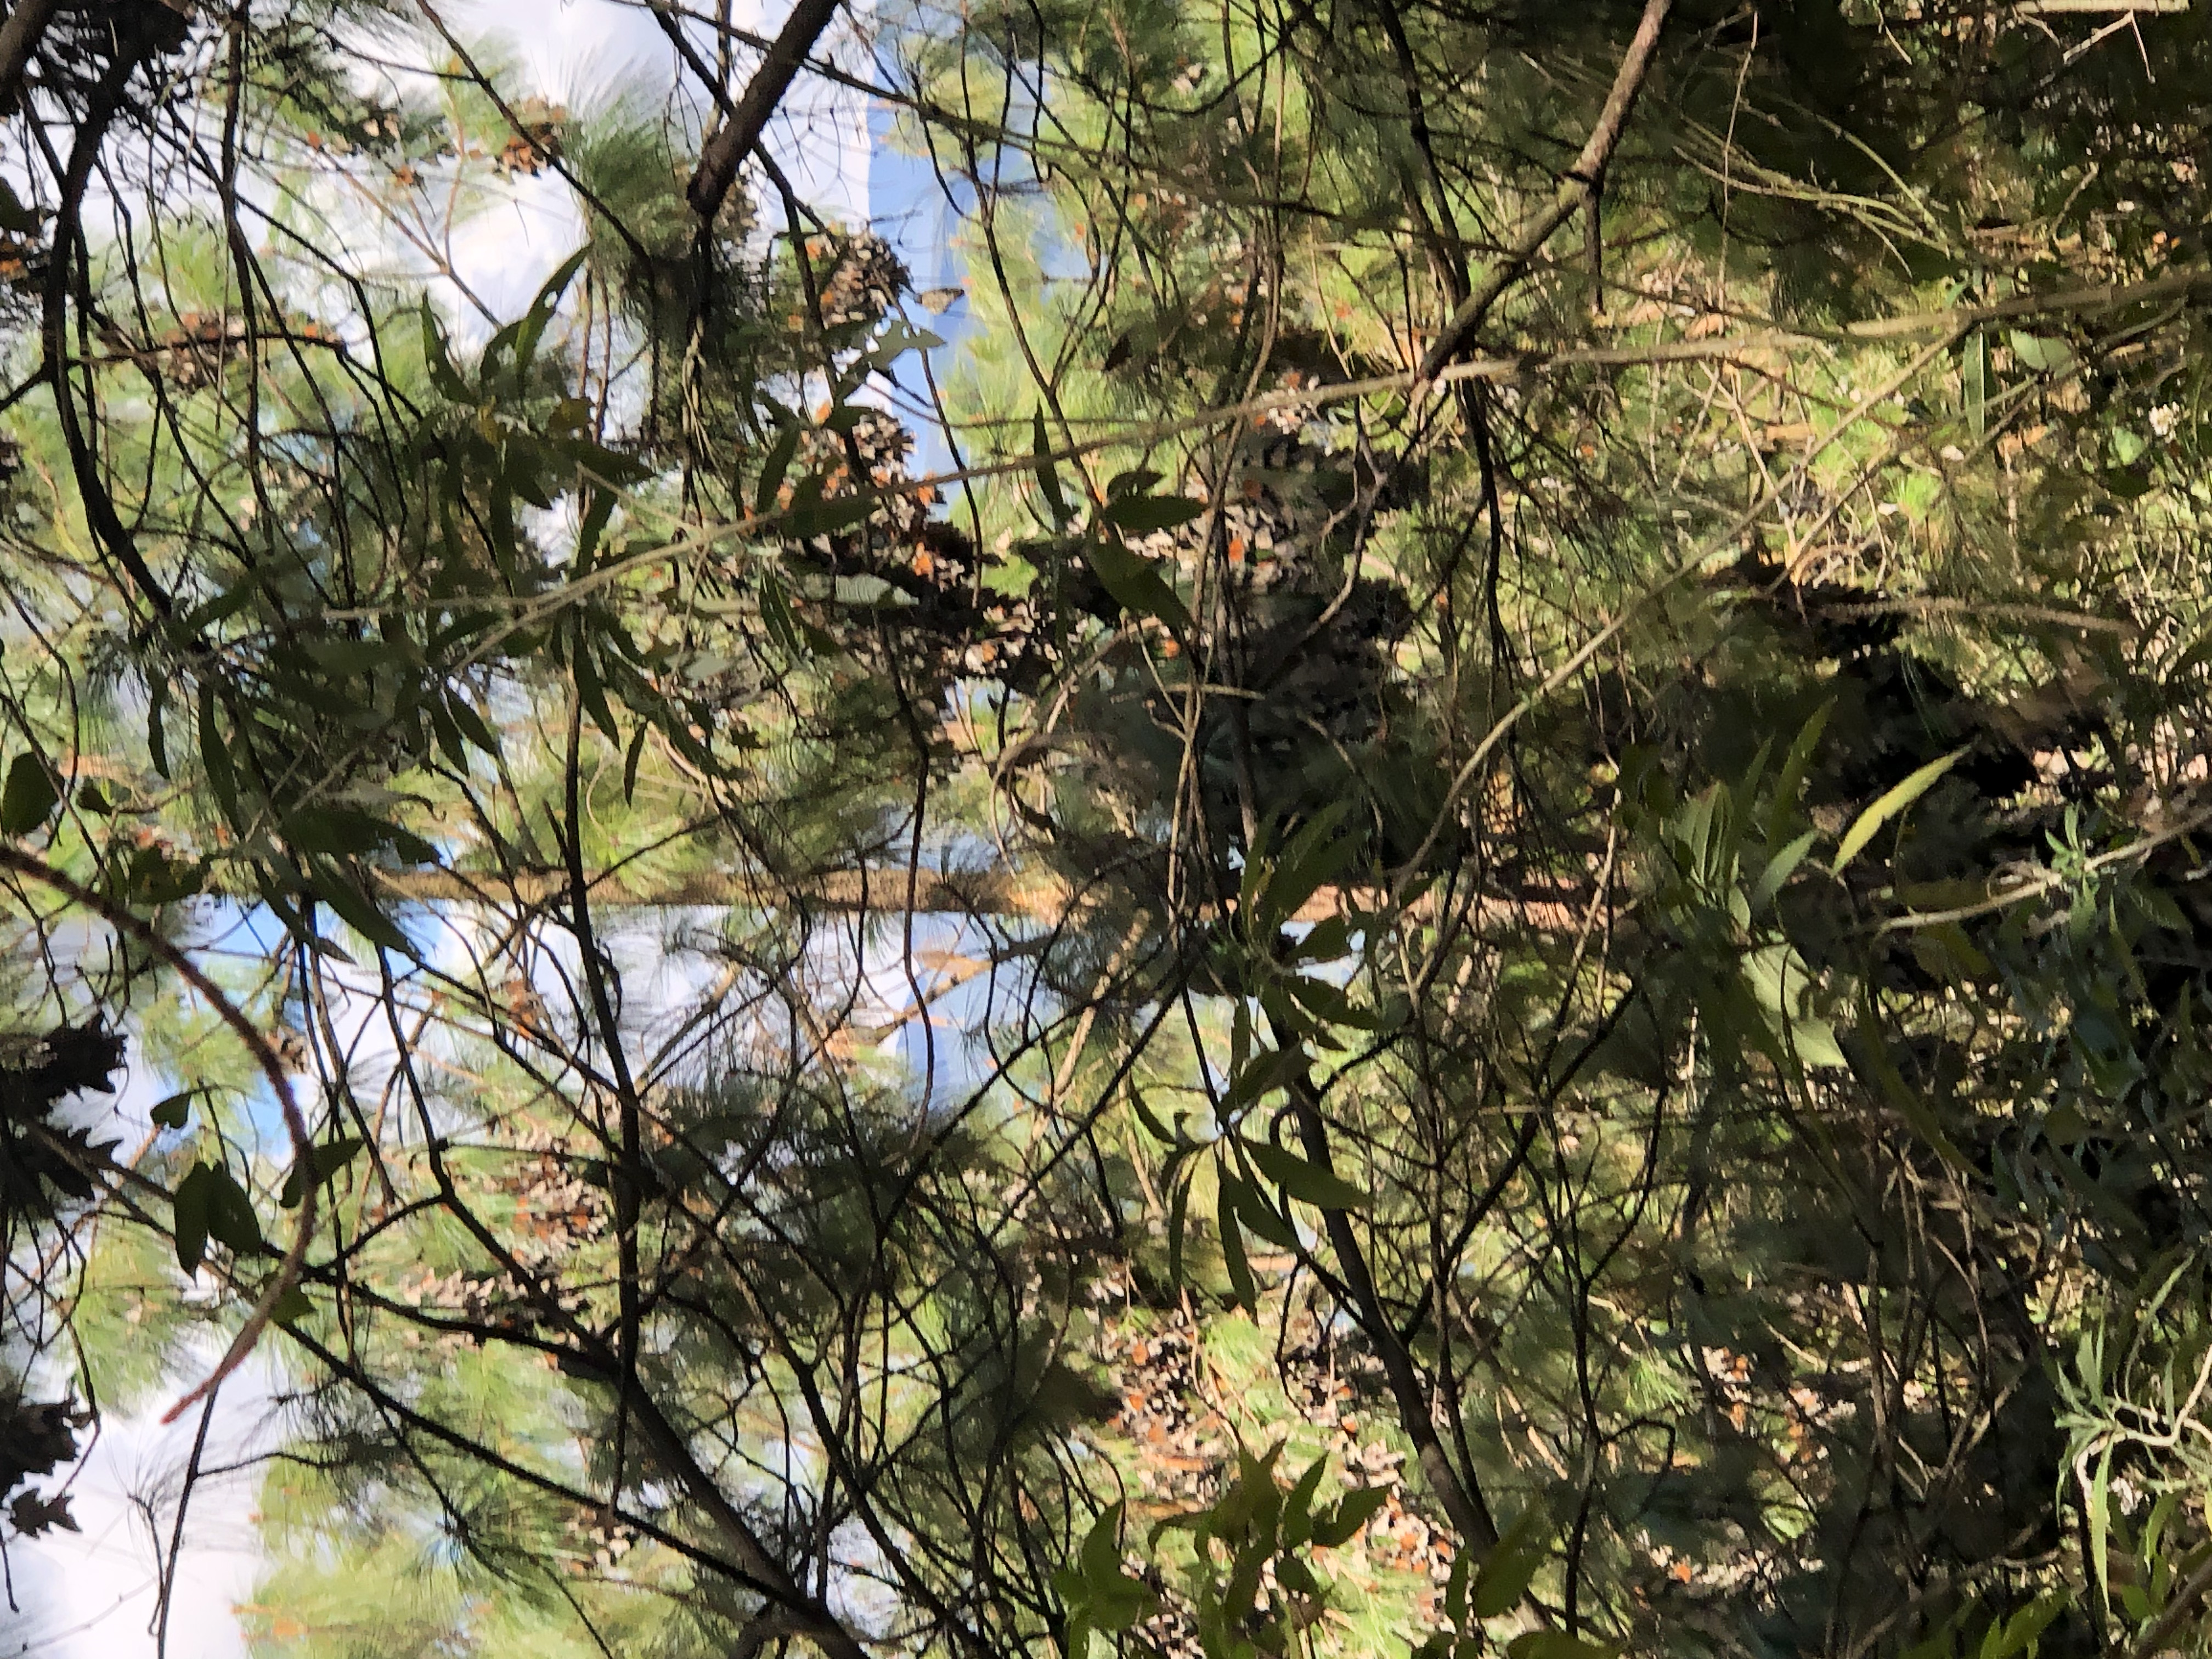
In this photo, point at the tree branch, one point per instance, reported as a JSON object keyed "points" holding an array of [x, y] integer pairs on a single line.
{"points": [[1576, 189], [726, 149], [19, 37], [272, 1069]]}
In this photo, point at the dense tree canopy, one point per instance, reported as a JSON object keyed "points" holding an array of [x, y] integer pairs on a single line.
{"points": [[1480, 925]]}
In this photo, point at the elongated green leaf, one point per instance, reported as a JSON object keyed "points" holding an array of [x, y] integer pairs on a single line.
{"points": [[157, 707], [1792, 775], [292, 1306], [599, 508], [1178, 1221], [774, 465], [1315, 855], [1101, 1555], [209, 1203], [531, 327], [1893, 802], [443, 376], [450, 741], [635, 752], [775, 615], [1265, 1072], [1779, 869], [1255, 1213], [590, 692], [230, 1218], [358, 911], [803, 523], [2038, 354], [214, 758], [1298, 1508], [471, 724], [1304, 1181], [1900, 1094], [1048, 475], [1242, 1287], [188, 1211]]}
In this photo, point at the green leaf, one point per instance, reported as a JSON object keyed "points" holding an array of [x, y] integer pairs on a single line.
{"points": [[1298, 1508], [214, 758], [225, 605], [1314, 856], [1308, 1182], [1146, 1116], [1894, 801], [157, 705], [590, 691], [450, 741], [631, 759], [2037, 354], [176, 1111], [209, 1203], [1135, 482], [292, 1306], [29, 797], [1354, 1511], [774, 465], [443, 376], [599, 508], [1253, 1209], [776, 615], [1328, 1004], [1557, 1644], [1102, 1550], [358, 911], [1179, 1222], [1779, 869], [471, 724], [17, 219], [329, 1160], [1511, 1566], [1792, 775], [1242, 1288], [1140, 515], [1266, 1072], [531, 327], [2021, 1631], [188, 1211], [1455, 1588], [1874, 1051], [1328, 941], [230, 1218], [808, 520], [2101, 1523], [1136, 583], [1048, 476]]}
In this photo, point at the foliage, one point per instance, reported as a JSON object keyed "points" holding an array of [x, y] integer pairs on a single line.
{"points": [[1492, 940]]}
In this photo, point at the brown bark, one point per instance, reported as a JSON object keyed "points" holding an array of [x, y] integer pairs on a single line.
{"points": [[725, 151], [19, 37]]}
